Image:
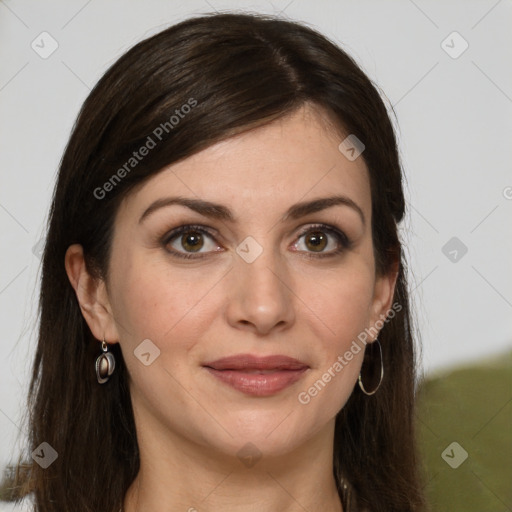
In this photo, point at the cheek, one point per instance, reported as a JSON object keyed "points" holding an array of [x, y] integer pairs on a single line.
{"points": [[342, 305], [151, 303], [340, 301], [170, 312]]}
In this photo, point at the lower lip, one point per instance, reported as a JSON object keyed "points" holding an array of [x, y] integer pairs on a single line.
{"points": [[258, 384]]}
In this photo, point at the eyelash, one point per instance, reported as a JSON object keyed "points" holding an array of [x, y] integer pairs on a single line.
{"points": [[344, 242]]}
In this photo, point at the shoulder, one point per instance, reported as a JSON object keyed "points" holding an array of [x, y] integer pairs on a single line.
{"points": [[25, 505]]}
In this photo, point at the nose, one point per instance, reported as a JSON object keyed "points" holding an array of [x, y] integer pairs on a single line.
{"points": [[261, 297]]}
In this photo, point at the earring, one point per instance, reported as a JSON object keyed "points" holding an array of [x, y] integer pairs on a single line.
{"points": [[105, 364], [381, 374]]}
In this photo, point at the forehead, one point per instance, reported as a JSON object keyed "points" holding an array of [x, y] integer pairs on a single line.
{"points": [[294, 158]]}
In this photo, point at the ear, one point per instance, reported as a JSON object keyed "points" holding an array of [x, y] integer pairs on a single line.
{"points": [[91, 294], [384, 290]]}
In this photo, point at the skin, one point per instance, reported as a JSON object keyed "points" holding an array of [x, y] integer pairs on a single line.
{"points": [[190, 426]]}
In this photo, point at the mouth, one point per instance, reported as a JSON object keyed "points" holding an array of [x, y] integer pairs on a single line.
{"points": [[257, 376]]}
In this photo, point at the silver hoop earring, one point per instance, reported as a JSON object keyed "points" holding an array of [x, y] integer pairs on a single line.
{"points": [[105, 364], [381, 374]]}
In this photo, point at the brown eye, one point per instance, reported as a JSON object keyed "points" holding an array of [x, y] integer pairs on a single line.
{"points": [[316, 241], [321, 241], [192, 241]]}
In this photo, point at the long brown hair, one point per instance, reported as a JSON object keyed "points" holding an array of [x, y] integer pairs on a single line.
{"points": [[236, 72]]}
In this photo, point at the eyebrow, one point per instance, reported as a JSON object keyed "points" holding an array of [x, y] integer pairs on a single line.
{"points": [[220, 212]]}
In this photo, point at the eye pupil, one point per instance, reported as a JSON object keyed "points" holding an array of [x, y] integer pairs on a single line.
{"points": [[316, 240], [192, 240]]}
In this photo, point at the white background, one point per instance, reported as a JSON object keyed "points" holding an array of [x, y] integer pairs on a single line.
{"points": [[454, 124]]}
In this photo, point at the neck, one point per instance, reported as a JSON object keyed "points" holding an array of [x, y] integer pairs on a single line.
{"points": [[178, 475]]}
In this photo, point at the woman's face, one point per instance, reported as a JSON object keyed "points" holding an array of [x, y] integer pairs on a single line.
{"points": [[246, 280]]}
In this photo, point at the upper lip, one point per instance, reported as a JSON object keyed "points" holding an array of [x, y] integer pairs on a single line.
{"points": [[250, 362]]}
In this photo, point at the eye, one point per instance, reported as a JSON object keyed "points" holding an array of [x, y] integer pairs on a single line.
{"points": [[194, 241], [187, 241], [321, 240]]}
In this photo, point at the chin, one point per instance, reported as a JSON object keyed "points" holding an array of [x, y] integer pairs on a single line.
{"points": [[262, 435]]}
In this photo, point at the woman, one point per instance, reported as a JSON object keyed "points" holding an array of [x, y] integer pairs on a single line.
{"points": [[224, 312]]}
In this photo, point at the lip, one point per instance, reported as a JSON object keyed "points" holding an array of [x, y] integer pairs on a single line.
{"points": [[257, 376], [250, 362]]}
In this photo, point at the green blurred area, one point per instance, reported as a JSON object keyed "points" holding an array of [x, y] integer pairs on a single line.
{"points": [[471, 406]]}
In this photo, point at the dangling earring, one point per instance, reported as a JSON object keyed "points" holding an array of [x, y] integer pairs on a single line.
{"points": [[105, 364], [381, 374]]}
